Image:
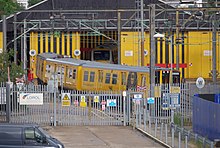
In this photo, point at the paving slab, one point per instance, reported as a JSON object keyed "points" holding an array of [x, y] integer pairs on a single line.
{"points": [[101, 137]]}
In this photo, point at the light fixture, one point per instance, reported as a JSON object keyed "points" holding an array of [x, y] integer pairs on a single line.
{"points": [[158, 35]]}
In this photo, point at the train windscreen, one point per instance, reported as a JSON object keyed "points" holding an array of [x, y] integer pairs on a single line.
{"points": [[101, 55]]}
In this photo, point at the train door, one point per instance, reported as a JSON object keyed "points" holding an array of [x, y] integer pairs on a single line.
{"points": [[70, 77], [132, 80], [123, 78], [100, 80], [88, 79]]}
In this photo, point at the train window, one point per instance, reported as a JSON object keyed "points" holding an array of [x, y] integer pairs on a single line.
{"points": [[107, 78], [123, 78], [74, 73], [62, 70], [86, 75], [47, 68], [114, 78], [58, 70], [70, 73], [100, 75], [92, 76], [101, 55]]}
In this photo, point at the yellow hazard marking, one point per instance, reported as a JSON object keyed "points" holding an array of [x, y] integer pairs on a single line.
{"points": [[83, 104], [66, 97], [175, 89], [66, 103]]}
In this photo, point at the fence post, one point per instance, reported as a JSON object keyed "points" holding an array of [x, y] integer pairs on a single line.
{"points": [[179, 140], [9, 86], [55, 109], [166, 133], [186, 141], [161, 131], [155, 131]]}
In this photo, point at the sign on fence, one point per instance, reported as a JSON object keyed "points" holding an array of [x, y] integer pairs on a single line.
{"points": [[31, 99], [65, 99]]}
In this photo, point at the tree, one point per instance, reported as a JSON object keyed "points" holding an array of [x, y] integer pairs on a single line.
{"points": [[33, 2], [8, 7], [16, 71]]}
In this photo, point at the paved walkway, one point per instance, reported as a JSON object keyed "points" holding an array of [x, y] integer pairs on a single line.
{"points": [[101, 137]]}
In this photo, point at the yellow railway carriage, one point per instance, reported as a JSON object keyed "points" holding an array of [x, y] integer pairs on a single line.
{"points": [[88, 75]]}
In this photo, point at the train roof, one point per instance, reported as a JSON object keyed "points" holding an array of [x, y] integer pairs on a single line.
{"points": [[91, 64]]}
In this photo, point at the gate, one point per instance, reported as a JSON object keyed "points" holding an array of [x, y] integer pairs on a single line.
{"points": [[38, 104]]}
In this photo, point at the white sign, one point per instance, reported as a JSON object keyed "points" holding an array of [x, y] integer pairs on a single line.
{"points": [[1, 50], [32, 52], [3, 95], [207, 53], [200, 82], [137, 96], [31, 99], [124, 93], [111, 102], [150, 100], [128, 53]]}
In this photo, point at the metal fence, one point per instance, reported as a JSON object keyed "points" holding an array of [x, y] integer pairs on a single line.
{"points": [[66, 107], [108, 108]]}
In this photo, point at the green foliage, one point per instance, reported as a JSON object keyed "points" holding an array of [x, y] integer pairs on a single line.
{"points": [[33, 2], [16, 71], [8, 7]]}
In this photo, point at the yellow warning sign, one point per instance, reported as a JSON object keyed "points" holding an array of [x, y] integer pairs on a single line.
{"points": [[175, 89], [96, 99], [65, 99], [83, 104], [83, 99], [66, 103]]}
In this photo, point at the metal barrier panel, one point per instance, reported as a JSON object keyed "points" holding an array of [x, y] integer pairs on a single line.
{"points": [[91, 108], [205, 120], [65, 108], [31, 112]]}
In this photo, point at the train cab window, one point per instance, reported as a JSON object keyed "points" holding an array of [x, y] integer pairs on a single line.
{"points": [[92, 76], [100, 76], [114, 78], [165, 77], [123, 78], [107, 78], [86, 76], [176, 77], [74, 73]]}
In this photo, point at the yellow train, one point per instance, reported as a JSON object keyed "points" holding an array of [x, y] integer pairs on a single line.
{"points": [[89, 75], [106, 53]]}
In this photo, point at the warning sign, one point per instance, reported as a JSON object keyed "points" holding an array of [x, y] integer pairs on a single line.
{"points": [[65, 99], [83, 99], [96, 99]]}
